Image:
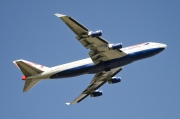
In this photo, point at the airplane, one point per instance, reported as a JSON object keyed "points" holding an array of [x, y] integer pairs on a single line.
{"points": [[106, 60]]}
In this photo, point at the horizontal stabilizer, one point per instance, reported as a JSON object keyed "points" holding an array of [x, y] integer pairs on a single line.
{"points": [[30, 83], [29, 68]]}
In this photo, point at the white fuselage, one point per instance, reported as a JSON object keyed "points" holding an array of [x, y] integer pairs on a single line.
{"points": [[86, 66]]}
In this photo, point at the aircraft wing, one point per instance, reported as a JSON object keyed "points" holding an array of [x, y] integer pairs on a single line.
{"points": [[98, 80], [99, 47]]}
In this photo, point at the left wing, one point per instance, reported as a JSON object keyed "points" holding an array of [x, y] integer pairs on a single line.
{"points": [[98, 80]]}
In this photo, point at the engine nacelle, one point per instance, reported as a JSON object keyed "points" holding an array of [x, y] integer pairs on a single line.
{"points": [[115, 46], [96, 93], [95, 34], [114, 80]]}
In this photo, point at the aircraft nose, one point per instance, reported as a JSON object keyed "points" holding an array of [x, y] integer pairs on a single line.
{"points": [[163, 46]]}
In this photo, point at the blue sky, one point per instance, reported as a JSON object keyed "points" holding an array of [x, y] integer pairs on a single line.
{"points": [[149, 88]]}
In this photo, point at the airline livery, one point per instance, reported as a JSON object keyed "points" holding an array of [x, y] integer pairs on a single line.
{"points": [[106, 60]]}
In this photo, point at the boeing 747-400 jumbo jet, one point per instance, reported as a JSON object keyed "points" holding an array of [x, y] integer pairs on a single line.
{"points": [[106, 60]]}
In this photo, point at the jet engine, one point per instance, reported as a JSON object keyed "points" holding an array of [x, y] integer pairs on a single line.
{"points": [[114, 80], [96, 93], [115, 46], [95, 33]]}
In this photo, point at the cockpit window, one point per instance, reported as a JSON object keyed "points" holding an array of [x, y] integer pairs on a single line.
{"points": [[146, 43]]}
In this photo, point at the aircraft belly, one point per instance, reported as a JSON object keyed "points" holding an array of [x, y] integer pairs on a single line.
{"points": [[106, 66], [76, 71], [144, 53]]}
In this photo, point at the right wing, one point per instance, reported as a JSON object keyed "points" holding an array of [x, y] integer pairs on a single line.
{"points": [[99, 47], [98, 80], [76, 27]]}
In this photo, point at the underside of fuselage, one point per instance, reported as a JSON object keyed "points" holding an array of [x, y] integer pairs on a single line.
{"points": [[107, 66]]}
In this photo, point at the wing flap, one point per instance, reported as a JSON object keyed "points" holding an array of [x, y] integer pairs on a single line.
{"points": [[90, 42], [100, 50]]}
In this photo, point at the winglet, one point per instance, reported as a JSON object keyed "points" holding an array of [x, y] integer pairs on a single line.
{"points": [[68, 103], [60, 15]]}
